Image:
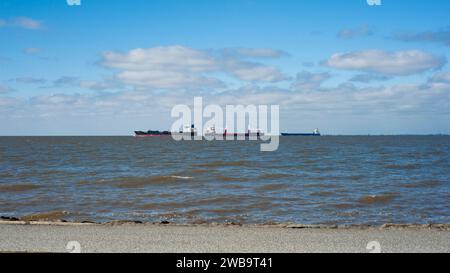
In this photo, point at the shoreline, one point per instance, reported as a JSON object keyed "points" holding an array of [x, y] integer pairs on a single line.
{"points": [[130, 237], [386, 226]]}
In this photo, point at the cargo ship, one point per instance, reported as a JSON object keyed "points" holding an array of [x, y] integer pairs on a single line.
{"points": [[211, 132], [152, 133], [316, 132], [189, 130], [192, 131]]}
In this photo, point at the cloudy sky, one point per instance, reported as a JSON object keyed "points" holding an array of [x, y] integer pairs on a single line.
{"points": [[112, 67]]}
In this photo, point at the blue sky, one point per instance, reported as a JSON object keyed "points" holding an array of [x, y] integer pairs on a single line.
{"points": [[110, 67]]}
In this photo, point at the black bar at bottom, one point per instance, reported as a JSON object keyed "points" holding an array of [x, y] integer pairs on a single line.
{"points": [[220, 262]]}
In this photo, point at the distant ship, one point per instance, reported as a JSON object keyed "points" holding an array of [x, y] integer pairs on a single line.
{"points": [[316, 132], [192, 131], [188, 130], [152, 133], [211, 131]]}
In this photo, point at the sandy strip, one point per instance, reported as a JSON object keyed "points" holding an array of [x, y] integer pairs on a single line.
{"points": [[54, 237]]}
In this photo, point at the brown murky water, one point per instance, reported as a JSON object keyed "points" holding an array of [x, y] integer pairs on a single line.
{"points": [[309, 180]]}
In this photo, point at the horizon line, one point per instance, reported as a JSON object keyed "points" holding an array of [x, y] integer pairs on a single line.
{"points": [[329, 135]]}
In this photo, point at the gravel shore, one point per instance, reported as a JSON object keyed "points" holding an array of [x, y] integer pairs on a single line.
{"points": [[145, 238]]}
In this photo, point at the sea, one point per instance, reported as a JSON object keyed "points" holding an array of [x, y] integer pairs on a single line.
{"points": [[328, 180]]}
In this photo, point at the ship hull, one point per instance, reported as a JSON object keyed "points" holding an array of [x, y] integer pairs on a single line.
{"points": [[228, 136], [152, 134], [148, 135], [315, 135], [161, 134]]}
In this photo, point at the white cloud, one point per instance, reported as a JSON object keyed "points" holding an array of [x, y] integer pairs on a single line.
{"points": [[368, 78], [361, 31], [258, 73], [22, 22], [443, 77], [439, 37], [66, 81], [387, 63], [109, 84], [255, 52], [179, 67], [163, 67], [30, 80], [9, 104], [336, 109], [27, 23], [168, 79], [58, 100], [176, 58], [5, 89], [439, 81], [344, 98], [307, 80], [31, 50], [233, 62]]}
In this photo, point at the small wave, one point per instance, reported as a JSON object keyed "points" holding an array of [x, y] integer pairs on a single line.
{"points": [[261, 205], [230, 179], [354, 177], [377, 199], [223, 164], [351, 214], [225, 211], [320, 186], [47, 216], [137, 182], [6, 174], [403, 166], [233, 186], [322, 193], [18, 187], [184, 204], [160, 195], [50, 172], [325, 178], [343, 206], [274, 176], [181, 177], [423, 184], [221, 200], [163, 206], [272, 187], [200, 171]]}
